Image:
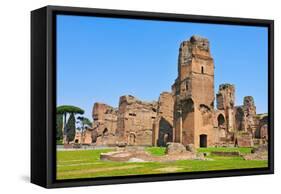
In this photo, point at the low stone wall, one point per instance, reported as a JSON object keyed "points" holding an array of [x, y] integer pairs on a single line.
{"points": [[137, 156], [226, 154], [174, 151]]}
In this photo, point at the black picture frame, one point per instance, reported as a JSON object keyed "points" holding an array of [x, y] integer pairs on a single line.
{"points": [[43, 95]]}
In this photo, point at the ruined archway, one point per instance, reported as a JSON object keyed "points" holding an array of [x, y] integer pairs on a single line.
{"points": [[203, 141], [221, 126], [221, 121], [165, 132]]}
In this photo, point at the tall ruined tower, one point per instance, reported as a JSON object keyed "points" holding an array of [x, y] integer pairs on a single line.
{"points": [[193, 92]]}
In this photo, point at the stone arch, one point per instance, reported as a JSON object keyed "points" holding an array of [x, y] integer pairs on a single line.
{"points": [[165, 134], [202, 69], [221, 125], [221, 121]]}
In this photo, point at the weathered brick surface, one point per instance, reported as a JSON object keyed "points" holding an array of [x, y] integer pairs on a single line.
{"points": [[163, 124], [244, 140], [135, 120], [105, 124]]}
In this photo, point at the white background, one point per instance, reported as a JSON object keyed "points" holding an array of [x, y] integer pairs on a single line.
{"points": [[15, 95]]}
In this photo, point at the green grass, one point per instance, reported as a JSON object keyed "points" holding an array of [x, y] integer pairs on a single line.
{"points": [[156, 151], [225, 149], [86, 164]]}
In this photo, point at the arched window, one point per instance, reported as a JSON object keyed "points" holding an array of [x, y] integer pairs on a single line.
{"points": [[221, 120], [202, 69]]}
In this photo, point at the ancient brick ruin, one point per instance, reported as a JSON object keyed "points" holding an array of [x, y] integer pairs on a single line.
{"points": [[187, 114]]}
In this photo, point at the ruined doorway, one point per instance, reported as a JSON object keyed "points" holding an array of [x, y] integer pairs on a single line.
{"points": [[221, 126], [203, 141], [165, 132]]}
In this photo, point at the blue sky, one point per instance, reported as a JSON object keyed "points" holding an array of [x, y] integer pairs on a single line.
{"points": [[100, 59]]}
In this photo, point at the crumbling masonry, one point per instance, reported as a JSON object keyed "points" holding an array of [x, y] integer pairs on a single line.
{"points": [[187, 114]]}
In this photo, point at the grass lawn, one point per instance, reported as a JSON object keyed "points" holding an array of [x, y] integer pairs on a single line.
{"points": [[86, 164]]}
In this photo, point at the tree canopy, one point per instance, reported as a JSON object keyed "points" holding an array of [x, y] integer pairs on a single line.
{"points": [[68, 127], [69, 109], [84, 120]]}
